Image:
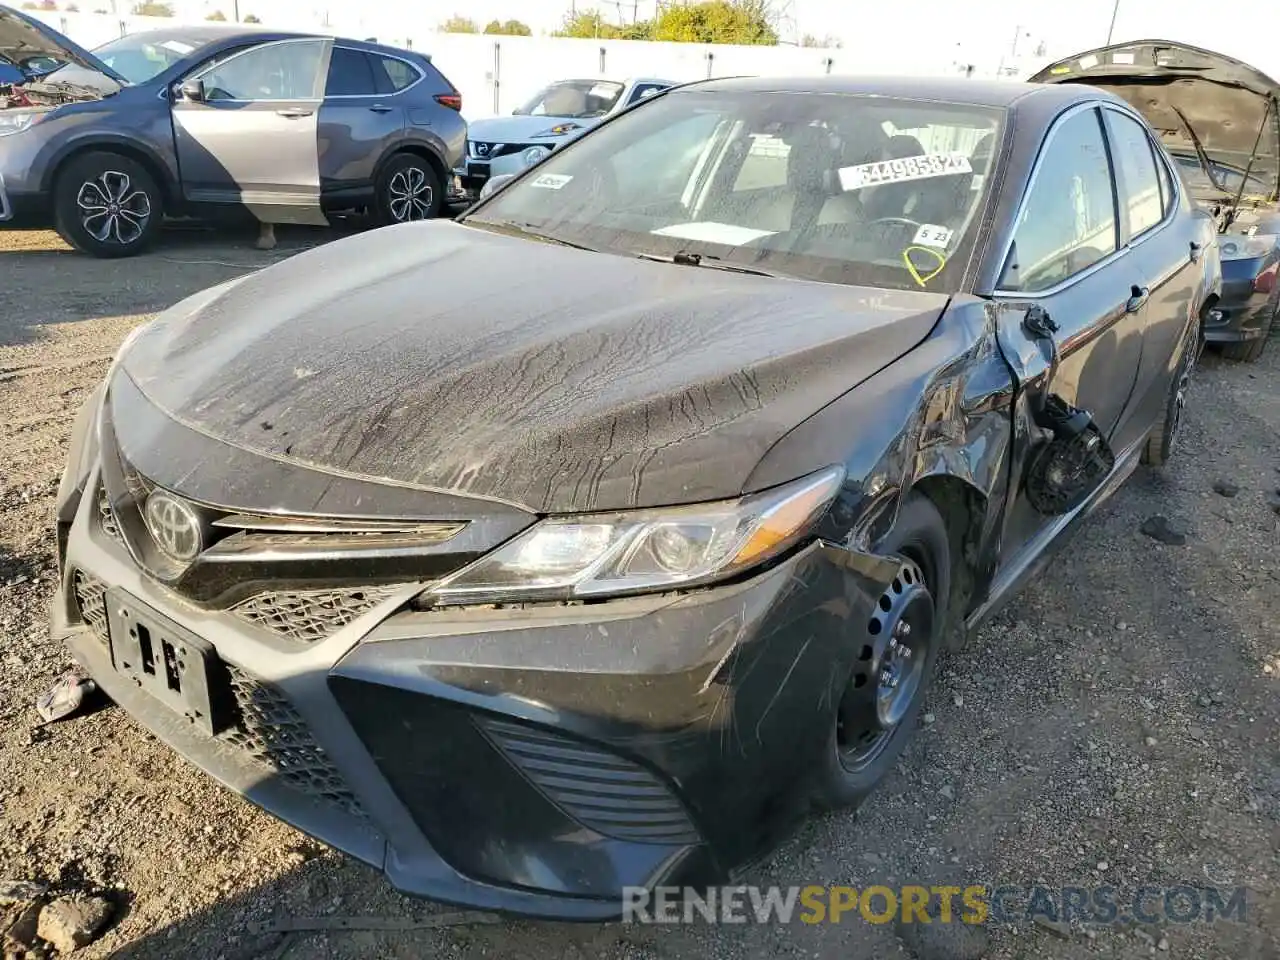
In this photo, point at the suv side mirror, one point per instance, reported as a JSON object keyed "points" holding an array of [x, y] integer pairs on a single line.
{"points": [[192, 90]]}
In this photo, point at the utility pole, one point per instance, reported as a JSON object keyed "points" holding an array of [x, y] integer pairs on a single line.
{"points": [[1115, 10], [235, 10]]}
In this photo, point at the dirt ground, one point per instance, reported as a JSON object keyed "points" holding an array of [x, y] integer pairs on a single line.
{"points": [[1117, 725]]}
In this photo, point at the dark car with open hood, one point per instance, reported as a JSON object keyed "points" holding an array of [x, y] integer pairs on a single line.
{"points": [[590, 541], [1219, 119], [215, 122]]}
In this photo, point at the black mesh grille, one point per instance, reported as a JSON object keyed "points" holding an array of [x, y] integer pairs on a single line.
{"points": [[107, 518], [306, 616], [272, 732], [92, 603], [605, 792]]}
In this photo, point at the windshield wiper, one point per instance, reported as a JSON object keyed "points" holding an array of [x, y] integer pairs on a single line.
{"points": [[526, 230], [684, 258]]}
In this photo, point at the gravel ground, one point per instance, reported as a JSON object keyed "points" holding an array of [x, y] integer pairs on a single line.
{"points": [[1117, 724]]}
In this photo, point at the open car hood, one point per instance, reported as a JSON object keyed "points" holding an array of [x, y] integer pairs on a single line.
{"points": [[23, 37], [1233, 108]]}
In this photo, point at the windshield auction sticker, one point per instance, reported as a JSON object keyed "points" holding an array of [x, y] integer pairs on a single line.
{"points": [[550, 181], [908, 168]]}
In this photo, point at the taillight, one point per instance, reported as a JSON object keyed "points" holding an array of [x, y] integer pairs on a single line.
{"points": [[1266, 280], [451, 100]]}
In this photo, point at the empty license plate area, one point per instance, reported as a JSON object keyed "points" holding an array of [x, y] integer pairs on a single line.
{"points": [[167, 661]]}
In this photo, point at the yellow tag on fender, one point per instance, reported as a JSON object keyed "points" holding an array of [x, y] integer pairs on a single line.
{"points": [[934, 262]]}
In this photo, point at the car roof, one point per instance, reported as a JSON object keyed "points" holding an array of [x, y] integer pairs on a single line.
{"points": [[213, 33], [986, 93]]}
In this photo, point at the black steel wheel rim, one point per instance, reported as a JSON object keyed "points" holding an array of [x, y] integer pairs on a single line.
{"points": [[888, 676]]}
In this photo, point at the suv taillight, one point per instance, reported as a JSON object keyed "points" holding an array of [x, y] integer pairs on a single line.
{"points": [[451, 100], [1266, 280]]}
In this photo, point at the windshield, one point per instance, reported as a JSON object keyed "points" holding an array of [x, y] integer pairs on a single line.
{"points": [[573, 98], [1229, 177], [851, 189], [138, 59]]}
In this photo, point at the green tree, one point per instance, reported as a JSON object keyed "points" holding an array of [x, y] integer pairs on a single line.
{"points": [[828, 41], [251, 19], [458, 24], [217, 17], [509, 28], [30, 5], [716, 21], [48, 5], [589, 25], [152, 8]]}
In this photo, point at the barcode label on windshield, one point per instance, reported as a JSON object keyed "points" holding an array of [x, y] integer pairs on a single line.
{"points": [[907, 168]]}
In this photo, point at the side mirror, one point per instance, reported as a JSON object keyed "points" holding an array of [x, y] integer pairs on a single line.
{"points": [[493, 183], [192, 90]]}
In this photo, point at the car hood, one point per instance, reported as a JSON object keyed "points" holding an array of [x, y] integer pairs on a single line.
{"points": [[1230, 105], [451, 359], [524, 128], [22, 36]]}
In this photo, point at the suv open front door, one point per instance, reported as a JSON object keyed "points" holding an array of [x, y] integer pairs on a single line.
{"points": [[246, 130]]}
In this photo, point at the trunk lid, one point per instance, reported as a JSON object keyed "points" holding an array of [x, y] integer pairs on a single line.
{"points": [[1188, 94], [455, 360]]}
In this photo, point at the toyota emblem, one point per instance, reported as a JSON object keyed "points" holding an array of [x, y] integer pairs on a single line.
{"points": [[174, 526]]}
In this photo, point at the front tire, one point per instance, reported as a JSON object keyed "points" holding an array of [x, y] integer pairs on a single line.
{"points": [[408, 189], [107, 205], [895, 656]]}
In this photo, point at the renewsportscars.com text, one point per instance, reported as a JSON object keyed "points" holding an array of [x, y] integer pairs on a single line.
{"points": [[977, 903]]}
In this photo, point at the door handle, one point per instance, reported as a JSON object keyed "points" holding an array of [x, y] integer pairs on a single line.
{"points": [[1138, 296], [379, 108], [294, 113], [1195, 251]]}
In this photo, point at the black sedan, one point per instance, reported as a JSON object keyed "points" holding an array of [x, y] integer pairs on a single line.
{"points": [[641, 535]]}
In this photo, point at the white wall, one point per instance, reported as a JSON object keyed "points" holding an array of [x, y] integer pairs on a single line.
{"points": [[496, 74]]}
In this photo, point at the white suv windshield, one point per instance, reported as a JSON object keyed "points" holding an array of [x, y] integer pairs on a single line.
{"points": [[848, 189], [573, 98]]}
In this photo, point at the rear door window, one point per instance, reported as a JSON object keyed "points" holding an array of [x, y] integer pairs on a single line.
{"points": [[350, 74], [1139, 181]]}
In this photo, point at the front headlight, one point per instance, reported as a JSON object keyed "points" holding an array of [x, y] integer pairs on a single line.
{"points": [[534, 155], [1246, 248], [597, 555], [11, 123]]}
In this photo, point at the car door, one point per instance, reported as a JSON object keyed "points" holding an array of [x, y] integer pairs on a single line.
{"points": [[251, 138], [1149, 207], [361, 118], [1067, 258]]}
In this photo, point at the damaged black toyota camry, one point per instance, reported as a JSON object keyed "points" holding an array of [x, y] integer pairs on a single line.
{"points": [[590, 541]]}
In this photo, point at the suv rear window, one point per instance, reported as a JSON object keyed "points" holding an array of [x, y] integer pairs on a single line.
{"points": [[393, 75]]}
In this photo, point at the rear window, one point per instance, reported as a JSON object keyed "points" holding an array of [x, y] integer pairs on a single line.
{"points": [[880, 191], [394, 75]]}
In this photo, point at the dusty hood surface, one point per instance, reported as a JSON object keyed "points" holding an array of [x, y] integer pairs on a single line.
{"points": [[23, 37], [455, 360], [527, 129], [1230, 105]]}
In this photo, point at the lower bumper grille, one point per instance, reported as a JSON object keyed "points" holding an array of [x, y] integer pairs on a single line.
{"points": [[91, 601], [268, 729], [306, 616], [605, 792], [274, 734]]}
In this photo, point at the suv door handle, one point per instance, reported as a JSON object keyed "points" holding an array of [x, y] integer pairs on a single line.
{"points": [[1195, 251], [379, 108], [1138, 296], [294, 113]]}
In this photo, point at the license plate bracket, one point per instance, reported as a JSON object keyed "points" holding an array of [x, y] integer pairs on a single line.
{"points": [[168, 662]]}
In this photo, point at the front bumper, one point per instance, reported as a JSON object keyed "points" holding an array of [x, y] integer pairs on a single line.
{"points": [[532, 761], [22, 202]]}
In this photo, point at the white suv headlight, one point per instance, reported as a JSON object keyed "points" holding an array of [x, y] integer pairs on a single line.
{"points": [[11, 123], [595, 555]]}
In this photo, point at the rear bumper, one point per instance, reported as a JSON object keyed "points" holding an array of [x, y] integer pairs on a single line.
{"points": [[532, 761], [1242, 314]]}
